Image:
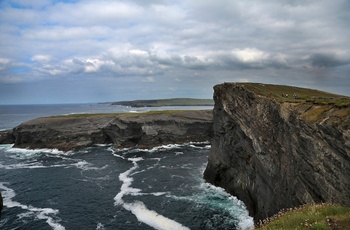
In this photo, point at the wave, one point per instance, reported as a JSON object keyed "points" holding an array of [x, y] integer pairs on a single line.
{"points": [[84, 165], [33, 162], [138, 208], [152, 218], [29, 153], [34, 165], [161, 148], [218, 199], [6, 146], [47, 214], [100, 226]]}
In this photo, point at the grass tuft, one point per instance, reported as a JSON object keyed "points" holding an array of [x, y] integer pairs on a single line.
{"points": [[310, 216]]}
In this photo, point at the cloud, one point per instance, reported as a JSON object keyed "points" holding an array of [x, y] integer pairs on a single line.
{"points": [[41, 58], [4, 63], [324, 60], [92, 13], [149, 79], [190, 43]]}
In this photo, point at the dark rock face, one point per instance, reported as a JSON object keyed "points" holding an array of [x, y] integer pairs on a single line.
{"points": [[122, 130], [6, 137], [263, 153]]}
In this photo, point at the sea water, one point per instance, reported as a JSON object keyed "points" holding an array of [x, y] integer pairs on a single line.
{"points": [[101, 187]]}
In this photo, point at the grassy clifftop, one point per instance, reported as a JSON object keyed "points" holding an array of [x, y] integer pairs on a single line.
{"points": [[315, 216], [283, 93], [312, 105]]}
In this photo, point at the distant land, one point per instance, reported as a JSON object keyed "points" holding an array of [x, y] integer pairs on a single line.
{"points": [[167, 102]]}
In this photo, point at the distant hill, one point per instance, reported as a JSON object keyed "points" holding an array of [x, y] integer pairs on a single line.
{"points": [[167, 102]]}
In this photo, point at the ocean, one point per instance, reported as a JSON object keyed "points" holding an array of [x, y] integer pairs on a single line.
{"points": [[101, 187]]}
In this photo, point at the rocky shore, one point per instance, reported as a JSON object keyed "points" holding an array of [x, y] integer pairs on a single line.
{"points": [[143, 130], [275, 153]]}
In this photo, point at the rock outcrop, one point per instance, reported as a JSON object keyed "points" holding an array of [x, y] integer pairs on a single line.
{"points": [[143, 130], [272, 156]]}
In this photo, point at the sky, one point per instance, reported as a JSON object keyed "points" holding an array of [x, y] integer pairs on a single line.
{"points": [[77, 51]]}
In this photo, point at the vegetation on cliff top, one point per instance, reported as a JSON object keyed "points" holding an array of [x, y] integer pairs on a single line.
{"points": [[312, 105], [316, 216], [283, 93]]}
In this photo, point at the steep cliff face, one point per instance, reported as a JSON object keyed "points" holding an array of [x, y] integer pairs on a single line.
{"points": [[122, 130], [271, 156]]}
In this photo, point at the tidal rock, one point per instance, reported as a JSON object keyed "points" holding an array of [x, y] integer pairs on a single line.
{"points": [[6, 137]]}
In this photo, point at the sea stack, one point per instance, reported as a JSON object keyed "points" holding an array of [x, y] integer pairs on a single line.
{"points": [[277, 147]]}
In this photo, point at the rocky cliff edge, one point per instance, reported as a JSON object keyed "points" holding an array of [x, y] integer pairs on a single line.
{"points": [[143, 130], [276, 149]]}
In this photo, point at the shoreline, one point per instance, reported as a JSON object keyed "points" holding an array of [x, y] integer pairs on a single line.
{"points": [[144, 130]]}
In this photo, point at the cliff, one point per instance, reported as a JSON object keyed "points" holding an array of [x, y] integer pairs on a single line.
{"points": [[277, 147], [143, 130]]}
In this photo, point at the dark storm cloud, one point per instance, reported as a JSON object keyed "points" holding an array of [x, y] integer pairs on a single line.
{"points": [[321, 60]]}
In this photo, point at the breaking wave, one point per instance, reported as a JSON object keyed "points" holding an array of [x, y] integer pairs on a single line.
{"points": [[47, 214]]}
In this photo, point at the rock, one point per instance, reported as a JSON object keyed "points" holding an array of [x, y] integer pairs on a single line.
{"points": [[6, 137], [271, 157], [144, 130]]}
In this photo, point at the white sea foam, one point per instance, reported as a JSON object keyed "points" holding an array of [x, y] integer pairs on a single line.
{"points": [[100, 226], [6, 146], [117, 155], [178, 146], [127, 181], [34, 165], [152, 218], [103, 145], [84, 165], [218, 198], [142, 213], [245, 222], [47, 214], [30, 165], [33, 151]]}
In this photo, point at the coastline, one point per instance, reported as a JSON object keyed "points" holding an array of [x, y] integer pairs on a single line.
{"points": [[144, 130]]}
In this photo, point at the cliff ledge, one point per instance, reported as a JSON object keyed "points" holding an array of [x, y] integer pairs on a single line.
{"points": [[277, 147]]}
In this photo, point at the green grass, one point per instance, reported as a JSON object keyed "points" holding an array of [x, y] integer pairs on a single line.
{"points": [[302, 94], [312, 105], [316, 216]]}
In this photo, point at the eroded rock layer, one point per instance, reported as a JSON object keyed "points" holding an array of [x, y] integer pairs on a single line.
{"points": [[143, 130], [269, 155]]}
